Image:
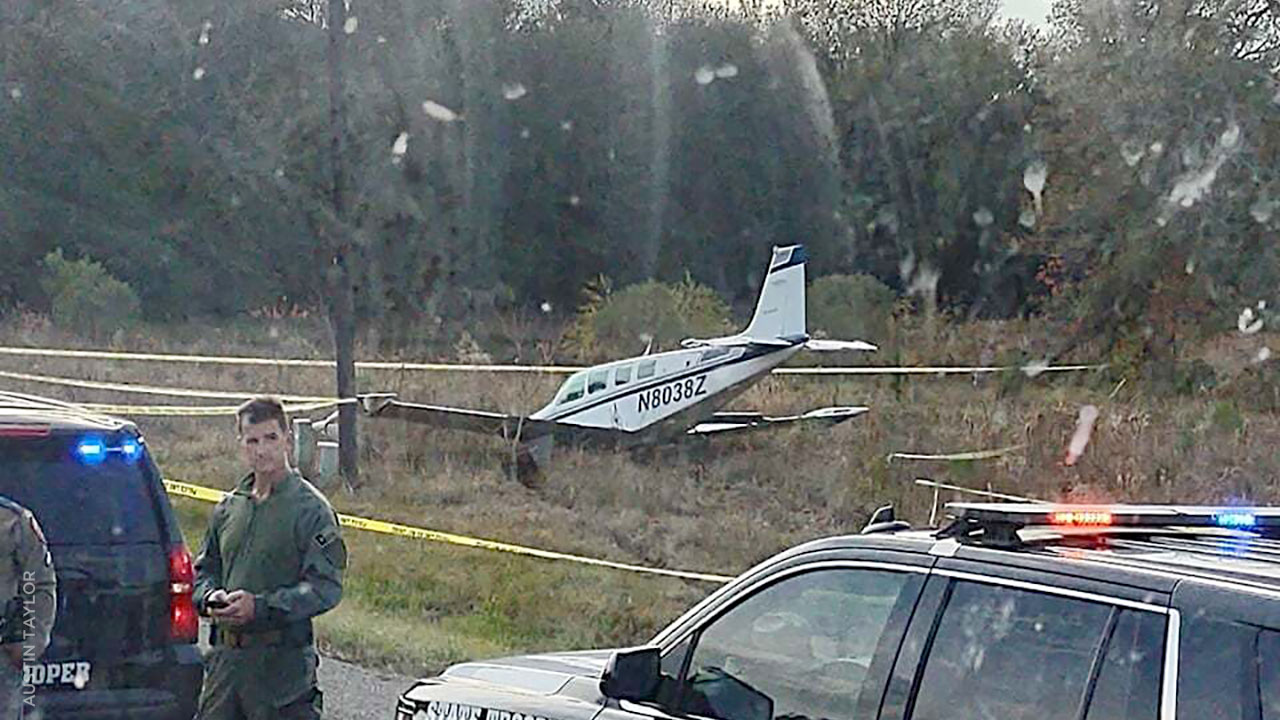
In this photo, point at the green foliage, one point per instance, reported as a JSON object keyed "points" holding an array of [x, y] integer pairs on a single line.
{"points": [[85, 298], [850, 307], [616, 324]]}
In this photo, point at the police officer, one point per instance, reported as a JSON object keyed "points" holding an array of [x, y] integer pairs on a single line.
{"points": [[28, 589], [273, 559]]}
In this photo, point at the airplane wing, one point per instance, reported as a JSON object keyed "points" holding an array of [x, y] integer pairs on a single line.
{"points": [[726, 422], [452, 418]]}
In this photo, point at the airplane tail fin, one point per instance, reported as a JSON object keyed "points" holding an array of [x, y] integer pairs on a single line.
{"points": [[780, 309]]}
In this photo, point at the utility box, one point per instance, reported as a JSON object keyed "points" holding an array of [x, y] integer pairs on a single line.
{"points": [[315, 448]]}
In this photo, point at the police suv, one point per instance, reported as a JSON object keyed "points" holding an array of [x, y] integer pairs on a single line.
{"points": [[1010, 612], [124, 640]]}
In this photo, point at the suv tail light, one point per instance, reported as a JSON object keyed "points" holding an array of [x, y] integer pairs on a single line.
{"points": [[184, 624]]}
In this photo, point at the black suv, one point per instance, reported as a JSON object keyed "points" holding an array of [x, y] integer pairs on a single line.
{"points": [[124, 643], [1011, 612]]}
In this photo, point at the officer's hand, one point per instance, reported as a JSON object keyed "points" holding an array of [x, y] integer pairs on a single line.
{"points": [[13, 652], [215, 597], [240, 609]]}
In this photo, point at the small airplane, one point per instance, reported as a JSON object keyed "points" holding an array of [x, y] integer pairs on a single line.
{"points": [[660, 398]]}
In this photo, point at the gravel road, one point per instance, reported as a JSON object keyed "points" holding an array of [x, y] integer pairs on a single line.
{"points": [[355, 693]]}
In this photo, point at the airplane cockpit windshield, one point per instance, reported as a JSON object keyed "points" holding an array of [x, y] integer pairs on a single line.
{"points": [[573, 389]]}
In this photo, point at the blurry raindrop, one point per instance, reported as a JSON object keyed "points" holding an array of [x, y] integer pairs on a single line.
{"points": [[116, 530], [279, 172], [304, 587], [438, 112], [574, 200], [1080, 439], [15, 92], [1026, 128], [1190, 156], [382, 39], [567, 125], [204, 32], [351, 25], [545, 306], [1248, 323], [198, 74], [727, 70], [273, 332], [1190, 267], [1027, 218], [235, 200], [401, 145], [613, 155], [704, 75], [1132, 152], [1264, 354], [513, 91], [1230, 137], [524, 133], [1033, 179], [1263, 209], [1035, 368], [1157, 147], [983, 217]]}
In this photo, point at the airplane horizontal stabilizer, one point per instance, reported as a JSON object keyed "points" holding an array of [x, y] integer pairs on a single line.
{"points": [[837, 345], [724, 422]]}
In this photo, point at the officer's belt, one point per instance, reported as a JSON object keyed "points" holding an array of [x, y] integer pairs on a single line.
{"points": [[298, 635]]}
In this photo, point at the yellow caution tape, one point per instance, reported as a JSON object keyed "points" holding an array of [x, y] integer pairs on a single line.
{"points": [[198, 492], [495, 368], [189, 410], [159, 390], [277, 362]]}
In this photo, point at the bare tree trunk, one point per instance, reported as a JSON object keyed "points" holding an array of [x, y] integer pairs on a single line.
{"points": [[341, 296]]}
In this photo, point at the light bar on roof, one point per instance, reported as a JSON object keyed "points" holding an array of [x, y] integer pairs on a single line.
{"points": [[1020, 515]]}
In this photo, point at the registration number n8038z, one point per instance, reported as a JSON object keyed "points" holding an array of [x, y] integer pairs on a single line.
{"points": [[672, 392]]}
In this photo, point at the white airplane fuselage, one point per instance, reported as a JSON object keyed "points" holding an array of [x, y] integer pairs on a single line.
{"points": [[661, 394]]}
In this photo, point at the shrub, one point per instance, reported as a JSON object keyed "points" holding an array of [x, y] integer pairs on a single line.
{"points": [[85, 298], [616, 324], [851, 307]]}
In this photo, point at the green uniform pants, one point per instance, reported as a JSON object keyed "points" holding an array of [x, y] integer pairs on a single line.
{"points": [[243, 684]]}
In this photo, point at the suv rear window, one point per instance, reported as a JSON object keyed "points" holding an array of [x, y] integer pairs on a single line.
{"points": [[109, 503], [1016, 654]]}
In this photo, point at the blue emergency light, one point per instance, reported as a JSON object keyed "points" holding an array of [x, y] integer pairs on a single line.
{"points": [[94, 450]]}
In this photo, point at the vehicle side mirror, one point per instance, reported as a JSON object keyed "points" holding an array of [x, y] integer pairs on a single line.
{"points": [[631, 674]]}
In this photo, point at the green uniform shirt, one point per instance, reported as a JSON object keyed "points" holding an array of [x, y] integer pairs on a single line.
{"points": [[287, 551]]}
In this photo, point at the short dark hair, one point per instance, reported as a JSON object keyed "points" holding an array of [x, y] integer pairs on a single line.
{"points": [[261, 409]]}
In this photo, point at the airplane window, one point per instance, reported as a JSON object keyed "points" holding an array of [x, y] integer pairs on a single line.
{"points": [[622, 376], [646, 369], [573, 388], [599, 381]]}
